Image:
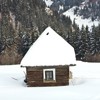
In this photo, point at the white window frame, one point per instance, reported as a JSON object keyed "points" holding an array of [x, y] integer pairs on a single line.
{"points": [[54, 74]]}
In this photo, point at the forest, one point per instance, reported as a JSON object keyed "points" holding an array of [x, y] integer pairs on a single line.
{"points": [[89, 9], [22, 21]]}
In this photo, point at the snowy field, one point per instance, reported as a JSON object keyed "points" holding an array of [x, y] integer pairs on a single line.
{"points": [[85, 85]]}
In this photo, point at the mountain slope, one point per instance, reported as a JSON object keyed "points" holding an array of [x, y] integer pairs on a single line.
{"points": [[85, 13], [21, 22], [62, 5], [79, 19]]}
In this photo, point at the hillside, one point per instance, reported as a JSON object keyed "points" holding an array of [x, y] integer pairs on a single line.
{"points": [[62, 5], [79, 18], [85, 12], [21, 22]]}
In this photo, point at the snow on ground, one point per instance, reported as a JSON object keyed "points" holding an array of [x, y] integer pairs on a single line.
{"points": [[79, 20], [85, 85]]}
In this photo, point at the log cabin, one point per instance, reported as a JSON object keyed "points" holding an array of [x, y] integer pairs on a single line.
{"points": [[48, 60]]}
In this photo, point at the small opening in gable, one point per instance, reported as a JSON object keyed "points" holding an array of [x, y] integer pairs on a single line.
{"points": [[47, 33]]}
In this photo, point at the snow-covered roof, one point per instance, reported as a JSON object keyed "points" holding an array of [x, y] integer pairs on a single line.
{"points": [[49, 49]]}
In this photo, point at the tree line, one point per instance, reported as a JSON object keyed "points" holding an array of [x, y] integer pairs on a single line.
{"points": [[86, 43], [90, 9]]}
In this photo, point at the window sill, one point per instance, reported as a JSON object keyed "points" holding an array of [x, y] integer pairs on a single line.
{"points": [[51, 81]]}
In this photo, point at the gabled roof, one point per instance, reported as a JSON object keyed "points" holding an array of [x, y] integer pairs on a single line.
{"points": [[49, 49]]}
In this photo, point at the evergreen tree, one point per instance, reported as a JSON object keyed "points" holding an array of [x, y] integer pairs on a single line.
{"points": [[93, 49], [81, 44], [78, 44], [97, 38], [25, 43], [87, 49]]}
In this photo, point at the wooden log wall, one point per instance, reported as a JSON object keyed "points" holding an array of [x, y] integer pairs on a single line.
{"points": [[35, 76]]}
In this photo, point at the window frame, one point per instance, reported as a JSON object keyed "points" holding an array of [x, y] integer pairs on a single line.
{"points": [[54, 75]]}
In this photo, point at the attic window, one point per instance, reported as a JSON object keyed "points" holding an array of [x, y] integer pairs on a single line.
{"points": [[47, 33]]}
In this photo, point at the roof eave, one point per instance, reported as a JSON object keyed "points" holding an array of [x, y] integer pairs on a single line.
{"points": [[49, 65]]}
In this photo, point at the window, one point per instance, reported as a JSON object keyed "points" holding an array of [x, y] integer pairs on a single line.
{"points": [[49, 74]]}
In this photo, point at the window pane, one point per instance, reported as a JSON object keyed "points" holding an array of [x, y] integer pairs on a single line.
{"points": [[49, 75]]}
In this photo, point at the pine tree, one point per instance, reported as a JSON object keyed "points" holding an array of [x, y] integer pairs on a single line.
{"points": [[93, 49], [82, 43], [25, 43], [87, 49], [97, 38]]}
